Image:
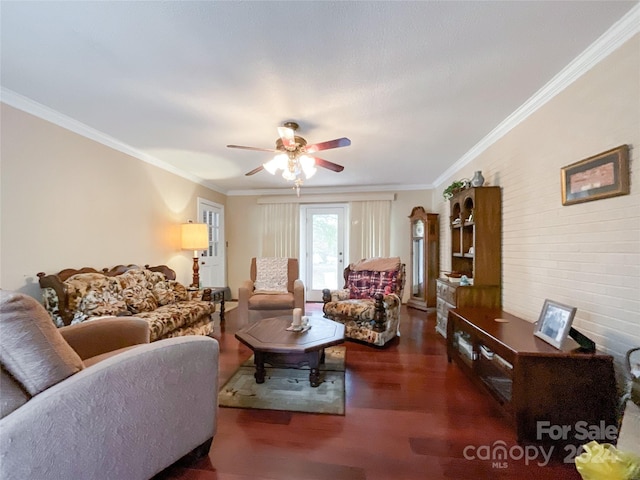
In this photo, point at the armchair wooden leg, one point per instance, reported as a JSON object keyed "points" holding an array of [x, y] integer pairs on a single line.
{"points": [[326, 298], [379, 317]]}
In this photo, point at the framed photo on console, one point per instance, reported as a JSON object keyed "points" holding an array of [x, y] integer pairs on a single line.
{"points": [[554, 322]]}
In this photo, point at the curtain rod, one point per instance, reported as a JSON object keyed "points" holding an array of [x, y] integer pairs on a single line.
{"points": [[327, 198]]}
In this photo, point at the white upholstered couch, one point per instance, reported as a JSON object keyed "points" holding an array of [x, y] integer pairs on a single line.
{"points": [[95, 400]]}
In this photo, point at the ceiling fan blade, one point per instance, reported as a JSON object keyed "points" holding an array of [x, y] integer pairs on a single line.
{"points": [[328, 165], [255, 170], [337, 143], [288, 136], [257, 149]]}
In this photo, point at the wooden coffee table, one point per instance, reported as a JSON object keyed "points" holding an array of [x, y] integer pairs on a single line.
{"points": [[272, 343]]}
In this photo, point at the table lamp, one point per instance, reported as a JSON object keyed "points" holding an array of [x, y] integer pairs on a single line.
{"points": [[195, 236]]}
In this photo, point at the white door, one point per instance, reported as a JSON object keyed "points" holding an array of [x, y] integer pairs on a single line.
{"points": [[323, 248], [213, 260]]}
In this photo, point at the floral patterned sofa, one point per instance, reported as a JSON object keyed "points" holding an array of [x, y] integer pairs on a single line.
{"points": [[151, 293], [369, 304]]}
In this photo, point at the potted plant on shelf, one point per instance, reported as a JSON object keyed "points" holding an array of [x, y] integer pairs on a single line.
{"points": [[454, 188]]}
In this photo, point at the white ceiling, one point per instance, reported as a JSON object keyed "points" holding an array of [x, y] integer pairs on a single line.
{"points": [[414, 85]]}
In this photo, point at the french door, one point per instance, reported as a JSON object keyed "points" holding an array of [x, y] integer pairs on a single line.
{"points": [[213, 260], [323, 242]]}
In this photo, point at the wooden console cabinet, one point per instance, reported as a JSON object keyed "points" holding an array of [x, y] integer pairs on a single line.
{"points": [[541, 388]]}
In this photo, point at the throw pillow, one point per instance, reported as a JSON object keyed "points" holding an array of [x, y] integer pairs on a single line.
{"points": [[77, 287], [383, 282], [271, 275], [153, 277], [132, 277], [139, 299], [104, 297], [170, 291], [359, 284], [32, 349], [52, 305]]}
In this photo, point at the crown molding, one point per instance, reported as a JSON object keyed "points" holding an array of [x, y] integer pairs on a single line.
{"points": [[619, 33], [32, 107]]}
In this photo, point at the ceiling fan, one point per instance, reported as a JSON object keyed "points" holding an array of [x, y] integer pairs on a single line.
{"points": [[294, 156]]}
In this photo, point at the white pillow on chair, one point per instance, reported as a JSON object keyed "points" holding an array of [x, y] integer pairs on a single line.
{"points": [[271, 275]]}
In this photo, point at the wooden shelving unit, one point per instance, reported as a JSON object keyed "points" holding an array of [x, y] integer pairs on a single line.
{"points": [[475, 222]]}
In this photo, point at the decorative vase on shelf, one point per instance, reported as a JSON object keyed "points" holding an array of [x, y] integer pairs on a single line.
{"points": [[478, 179]]}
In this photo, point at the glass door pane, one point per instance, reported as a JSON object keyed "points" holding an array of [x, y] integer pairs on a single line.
{"points": [[324, 250], [212, 260]]}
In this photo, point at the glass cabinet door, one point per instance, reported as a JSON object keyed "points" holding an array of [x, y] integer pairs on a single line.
{"points": [[417, 285], [424, 259]]}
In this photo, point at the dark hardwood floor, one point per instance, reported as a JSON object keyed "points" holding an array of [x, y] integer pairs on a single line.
{"points": [[409, 415]]}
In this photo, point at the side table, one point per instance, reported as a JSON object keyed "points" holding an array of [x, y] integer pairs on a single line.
{"points": [[215, 294]]}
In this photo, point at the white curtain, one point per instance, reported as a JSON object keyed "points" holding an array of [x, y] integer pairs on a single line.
{"points": [[280, 230], [369, 234]]}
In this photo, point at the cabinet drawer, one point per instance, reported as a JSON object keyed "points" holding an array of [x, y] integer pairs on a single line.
{"points": [[441, 325], [447, 292], [442, 308]]}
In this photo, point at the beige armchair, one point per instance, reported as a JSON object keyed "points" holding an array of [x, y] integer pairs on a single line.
{"points": [[255, 303]]}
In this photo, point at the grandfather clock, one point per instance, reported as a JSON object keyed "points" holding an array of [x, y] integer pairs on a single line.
{"points": [[425, 258]]}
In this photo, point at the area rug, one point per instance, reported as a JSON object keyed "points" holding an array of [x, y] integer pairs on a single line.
{"points": [[288, 388]]}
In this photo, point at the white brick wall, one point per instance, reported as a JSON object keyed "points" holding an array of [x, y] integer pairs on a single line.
{"points": [[586, 255]]}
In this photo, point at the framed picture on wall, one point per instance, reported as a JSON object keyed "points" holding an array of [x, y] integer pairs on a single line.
{"points": [[601, 176], [554, 322]]}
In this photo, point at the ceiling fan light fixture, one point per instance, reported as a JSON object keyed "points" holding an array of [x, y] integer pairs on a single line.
{"points": [[289, 175], [292, 156], [279, 162], [270, 166], [308, 165]]}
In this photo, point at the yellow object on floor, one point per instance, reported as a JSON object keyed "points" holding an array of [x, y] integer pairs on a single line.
{"points": [[606, 462]]}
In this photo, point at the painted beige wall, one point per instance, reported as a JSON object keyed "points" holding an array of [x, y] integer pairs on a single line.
{"points": [[67, 201], [586, 255], [244, 236]]}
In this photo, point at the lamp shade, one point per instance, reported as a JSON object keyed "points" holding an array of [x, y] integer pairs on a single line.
{"points": [[195, 236]]}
